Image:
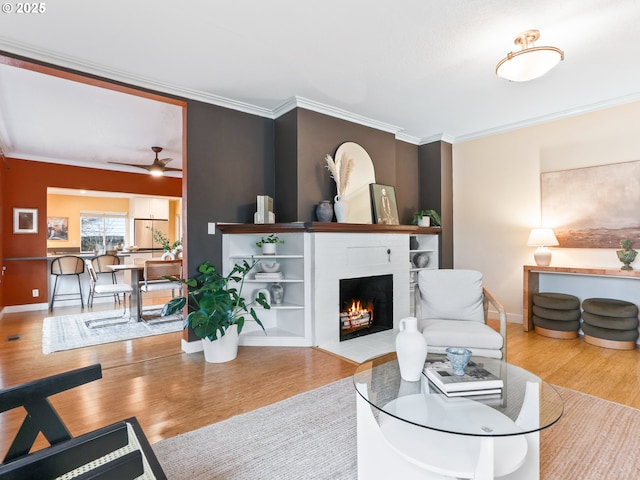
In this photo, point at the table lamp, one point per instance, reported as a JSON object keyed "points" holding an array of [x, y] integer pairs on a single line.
{"points": [[542, 238]]}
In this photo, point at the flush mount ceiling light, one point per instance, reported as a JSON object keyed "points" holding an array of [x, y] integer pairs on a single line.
{"points": [[530, 61]]}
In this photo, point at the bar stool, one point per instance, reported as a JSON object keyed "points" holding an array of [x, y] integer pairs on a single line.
{"points": [[66, 266]]}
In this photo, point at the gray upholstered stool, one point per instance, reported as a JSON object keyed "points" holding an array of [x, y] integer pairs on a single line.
{"points": [[610, 323], [556, 315]]}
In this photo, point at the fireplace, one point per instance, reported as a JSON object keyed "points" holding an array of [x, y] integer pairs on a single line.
{"points": [[366, 305]]}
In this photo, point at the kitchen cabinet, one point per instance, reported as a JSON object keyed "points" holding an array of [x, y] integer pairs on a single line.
{"points": [[148, 207]]}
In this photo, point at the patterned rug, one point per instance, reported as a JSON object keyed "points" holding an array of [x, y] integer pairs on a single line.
{"points": [[83, 330]]}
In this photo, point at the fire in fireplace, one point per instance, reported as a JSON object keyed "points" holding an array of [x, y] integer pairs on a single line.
{"points": [[366, 305]]}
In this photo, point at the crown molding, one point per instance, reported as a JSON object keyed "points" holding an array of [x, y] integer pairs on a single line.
{"points": [[550, 118]]}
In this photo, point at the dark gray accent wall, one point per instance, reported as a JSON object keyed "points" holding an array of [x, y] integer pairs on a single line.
{"points": [[230, 160], [317, 136], [436, 191], [286, 166], [407, 185]]}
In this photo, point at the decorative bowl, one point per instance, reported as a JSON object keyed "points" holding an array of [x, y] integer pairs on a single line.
{"points": [[270, 267], [459, 357]]}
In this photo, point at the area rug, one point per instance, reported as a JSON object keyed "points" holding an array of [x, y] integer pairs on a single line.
{"points": [[313, 436], [83, 330]]}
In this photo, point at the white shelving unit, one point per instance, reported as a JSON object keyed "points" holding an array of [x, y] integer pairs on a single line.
{"points": [[288, 323], [421, 244]]}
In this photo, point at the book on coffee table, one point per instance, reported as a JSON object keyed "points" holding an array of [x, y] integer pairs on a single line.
{"points": [[475, 378]]}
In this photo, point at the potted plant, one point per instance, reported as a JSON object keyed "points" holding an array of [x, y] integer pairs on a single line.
{"points": [[216, 309], [269, 243], [167, 246], [424, 218]]}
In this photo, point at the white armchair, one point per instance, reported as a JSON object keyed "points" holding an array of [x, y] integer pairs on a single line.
{"points": [[452, 306]]}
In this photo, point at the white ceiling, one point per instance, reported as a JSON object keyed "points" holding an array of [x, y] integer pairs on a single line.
{"points": [[422, 69]]}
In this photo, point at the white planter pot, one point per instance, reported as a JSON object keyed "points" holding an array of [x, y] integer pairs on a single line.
{"points": [[224, 349], [268, 248], [424, 222]]}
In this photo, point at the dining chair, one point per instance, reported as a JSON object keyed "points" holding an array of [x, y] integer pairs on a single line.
{"points": [[104, 290], [66, 266], [154, 279], [101, 265]]}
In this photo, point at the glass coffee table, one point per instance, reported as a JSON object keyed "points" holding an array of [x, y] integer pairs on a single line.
{"points": [[412, 430]]}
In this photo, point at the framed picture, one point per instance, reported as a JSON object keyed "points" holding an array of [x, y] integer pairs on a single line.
{"points": [[383, 204], [57, 228], [25, 220]]}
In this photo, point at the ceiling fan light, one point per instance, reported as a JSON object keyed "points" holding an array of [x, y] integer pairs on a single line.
{"points": [[156, 171], [530, 62]]}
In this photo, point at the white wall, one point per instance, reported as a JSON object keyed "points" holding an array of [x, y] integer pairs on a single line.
{"points": [[496, 193]]}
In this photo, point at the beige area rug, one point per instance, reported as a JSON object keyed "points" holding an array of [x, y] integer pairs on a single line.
{"points": [[66, 332], [313, 436]]}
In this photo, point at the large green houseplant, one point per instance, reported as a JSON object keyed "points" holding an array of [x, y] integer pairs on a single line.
{"points": [[216, 308]]}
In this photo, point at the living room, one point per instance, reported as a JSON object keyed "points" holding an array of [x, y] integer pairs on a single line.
{"points": [[493, 182]]}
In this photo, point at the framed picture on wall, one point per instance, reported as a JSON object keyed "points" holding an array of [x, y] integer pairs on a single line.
{"points": [[383, 204], [25, 220], [57, 228]]}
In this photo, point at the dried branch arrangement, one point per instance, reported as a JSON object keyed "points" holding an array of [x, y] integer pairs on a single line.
{"points": [[340, 172]]}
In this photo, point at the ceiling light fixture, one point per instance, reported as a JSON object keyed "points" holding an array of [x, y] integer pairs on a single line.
{"points": [[530, 61], [156, 171]]}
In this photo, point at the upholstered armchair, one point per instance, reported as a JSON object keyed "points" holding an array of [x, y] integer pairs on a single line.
{"points": [[452, 306]]}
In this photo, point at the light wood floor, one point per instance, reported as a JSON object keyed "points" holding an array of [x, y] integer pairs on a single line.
{"points": [[171, 392]]}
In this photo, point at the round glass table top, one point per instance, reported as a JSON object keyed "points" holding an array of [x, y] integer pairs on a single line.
{"points": [[523, 405]]}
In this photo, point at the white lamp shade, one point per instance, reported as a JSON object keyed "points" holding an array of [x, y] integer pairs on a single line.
{"points": [[542, 237], [528, 64]]}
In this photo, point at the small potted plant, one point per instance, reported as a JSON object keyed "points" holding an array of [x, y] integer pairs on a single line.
{"points": [[268, 244], [217, 309], [425, 218], [167, 246]]}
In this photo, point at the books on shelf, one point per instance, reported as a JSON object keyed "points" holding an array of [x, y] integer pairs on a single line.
{"points": [[269, 276], [475, 381]]}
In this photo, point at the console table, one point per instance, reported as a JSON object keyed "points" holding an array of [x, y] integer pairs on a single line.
{"points": [[531, 282]]}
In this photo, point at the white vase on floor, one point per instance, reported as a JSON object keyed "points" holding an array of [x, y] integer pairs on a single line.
{"points": [[223, 349], [341, 209], [411, 349]]}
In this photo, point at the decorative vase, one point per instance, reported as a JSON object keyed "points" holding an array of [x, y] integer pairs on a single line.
{"points": [[341, 207], [167, 255], [223, 349], [421, 260], [324, 211], [627, 254], [277, 293], [411, 349]]}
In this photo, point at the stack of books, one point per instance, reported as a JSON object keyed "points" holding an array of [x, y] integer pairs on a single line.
{"points": [[476, 381], [269, 276]]}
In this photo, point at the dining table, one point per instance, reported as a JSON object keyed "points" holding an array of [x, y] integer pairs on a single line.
{"points": [[134, 274]]}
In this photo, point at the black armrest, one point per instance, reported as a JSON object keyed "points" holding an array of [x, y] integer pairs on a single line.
{"points": [[41, 416]]}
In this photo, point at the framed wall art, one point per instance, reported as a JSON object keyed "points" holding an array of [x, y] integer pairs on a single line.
{"points": [[57, 228], [383, 204], [592, 207], [25, 220]]}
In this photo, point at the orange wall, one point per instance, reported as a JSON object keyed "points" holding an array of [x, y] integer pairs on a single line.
{"points": [[24, 185]]}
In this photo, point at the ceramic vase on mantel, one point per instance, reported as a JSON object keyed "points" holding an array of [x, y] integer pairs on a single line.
{"points": [[223, 349], [341, 207], [411, 349], [324, 211]]}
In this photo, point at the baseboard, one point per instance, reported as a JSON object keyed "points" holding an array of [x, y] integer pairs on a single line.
{"points": [[191, 347]]}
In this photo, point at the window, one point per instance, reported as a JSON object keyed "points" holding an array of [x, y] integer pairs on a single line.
{"points": [[102, 230]]}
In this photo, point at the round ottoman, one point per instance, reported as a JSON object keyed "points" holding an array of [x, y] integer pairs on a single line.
{"points": [[610, 323], [556, 315]]}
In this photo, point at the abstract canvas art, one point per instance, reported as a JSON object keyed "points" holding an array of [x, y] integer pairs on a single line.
{"points": [[593, 207]]}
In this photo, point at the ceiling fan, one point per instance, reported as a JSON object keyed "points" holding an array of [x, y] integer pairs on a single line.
{"points": [[157, 168]]}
